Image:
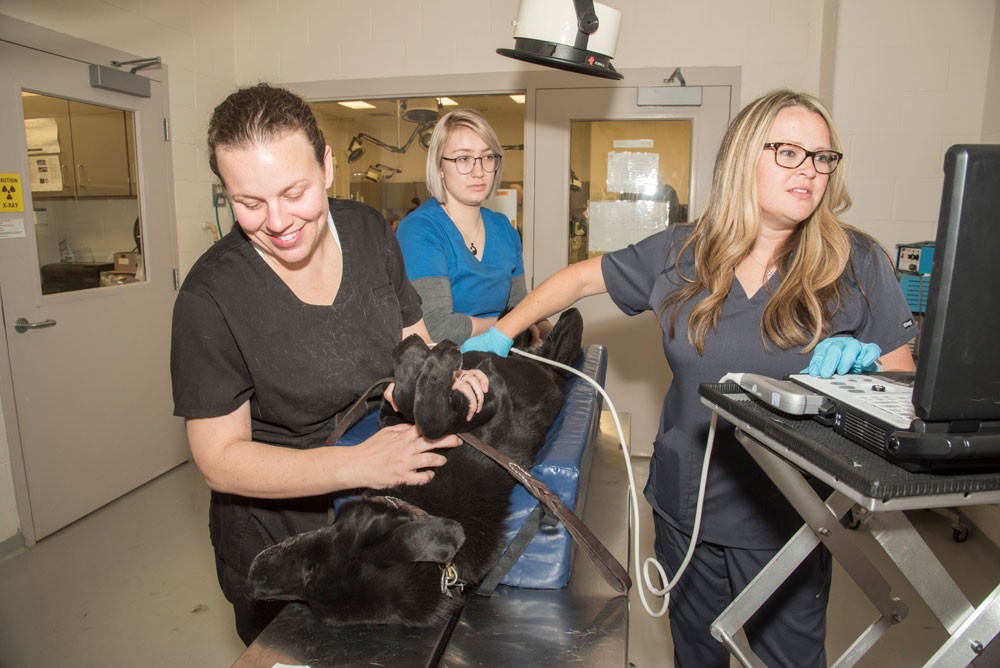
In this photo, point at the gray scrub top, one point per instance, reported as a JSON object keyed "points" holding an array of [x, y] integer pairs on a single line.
{"points": [[742, 507]]}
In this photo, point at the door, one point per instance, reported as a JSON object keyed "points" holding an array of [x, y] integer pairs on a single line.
{"points": [[615, 172], [86, 288]]}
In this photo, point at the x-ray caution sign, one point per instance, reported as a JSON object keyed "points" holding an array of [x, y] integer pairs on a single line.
{"points": [[10, 193]]}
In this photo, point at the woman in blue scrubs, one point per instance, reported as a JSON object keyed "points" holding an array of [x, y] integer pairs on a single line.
{"points": [[463, 258]]}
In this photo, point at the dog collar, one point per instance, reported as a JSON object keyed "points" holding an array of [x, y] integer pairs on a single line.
{"points": [[449, 579]]}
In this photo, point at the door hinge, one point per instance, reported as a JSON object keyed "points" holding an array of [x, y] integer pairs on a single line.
{"points": [[166, 129], [177, 279]]}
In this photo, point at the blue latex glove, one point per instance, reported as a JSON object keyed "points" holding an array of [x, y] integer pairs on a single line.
{"points": [[842, 355], [494, 341]]}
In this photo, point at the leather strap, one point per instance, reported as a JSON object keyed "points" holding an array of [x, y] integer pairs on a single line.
{"points": [[344, 421], [607, 565], [513, 553]]}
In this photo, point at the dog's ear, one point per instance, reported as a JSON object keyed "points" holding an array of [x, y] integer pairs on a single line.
{"points": [[430, 538], [565, 340], [407, 361], [434, 406]]}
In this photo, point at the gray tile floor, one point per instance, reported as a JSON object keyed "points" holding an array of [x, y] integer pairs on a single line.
{"points": [[133, 585]]}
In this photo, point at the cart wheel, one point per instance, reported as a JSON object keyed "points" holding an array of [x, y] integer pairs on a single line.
{"points": [[960, 534]]}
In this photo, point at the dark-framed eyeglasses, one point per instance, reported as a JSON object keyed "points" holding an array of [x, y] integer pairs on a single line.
{"points": [[466, 163], [791, 156]]}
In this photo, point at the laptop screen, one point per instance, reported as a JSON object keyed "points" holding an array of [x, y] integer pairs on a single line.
{"points": [[958, 365]]}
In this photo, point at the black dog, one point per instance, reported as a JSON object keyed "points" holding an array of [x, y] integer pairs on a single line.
{"points": [[401, 556]]}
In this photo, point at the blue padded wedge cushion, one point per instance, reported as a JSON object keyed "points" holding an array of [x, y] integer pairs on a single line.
{"points": [[561, 464], [364, 429]]}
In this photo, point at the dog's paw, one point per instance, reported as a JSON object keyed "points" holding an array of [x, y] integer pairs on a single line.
{"points": [[436, 406], [407, 362]]}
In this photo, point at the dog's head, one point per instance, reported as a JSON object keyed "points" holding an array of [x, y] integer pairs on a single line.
{"points": [[353, 569], [566, 339]]}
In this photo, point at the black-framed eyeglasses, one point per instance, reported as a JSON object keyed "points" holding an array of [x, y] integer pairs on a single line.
{"points": [[466, 163], [791, 156]]}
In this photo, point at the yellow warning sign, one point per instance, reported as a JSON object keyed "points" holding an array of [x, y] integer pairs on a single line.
{"points": [[10, 193]]}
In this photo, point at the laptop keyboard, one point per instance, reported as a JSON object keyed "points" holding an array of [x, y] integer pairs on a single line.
{"points": [[891, 402]]}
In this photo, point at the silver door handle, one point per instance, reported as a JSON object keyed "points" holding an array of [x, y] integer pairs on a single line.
{"points": [[21, 325]]}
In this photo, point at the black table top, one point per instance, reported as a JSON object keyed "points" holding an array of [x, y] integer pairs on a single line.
{"points": [[861, 469]]}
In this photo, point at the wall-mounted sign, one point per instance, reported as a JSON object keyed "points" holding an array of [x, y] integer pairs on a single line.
{"points": [[12, 229], [11, 198]]}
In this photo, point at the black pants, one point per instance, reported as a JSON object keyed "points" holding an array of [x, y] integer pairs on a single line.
{"points": [[252, 617], [788, 631], [240, 529]]}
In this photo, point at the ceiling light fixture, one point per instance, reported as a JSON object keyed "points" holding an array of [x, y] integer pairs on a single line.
{"points": [[356, 104], [378, 171], [425, 137], [517, 97], [355, 150], [421, 112]]}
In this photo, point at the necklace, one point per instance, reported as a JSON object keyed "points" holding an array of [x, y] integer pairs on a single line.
{"points": [[768, 271], [472, 243]]}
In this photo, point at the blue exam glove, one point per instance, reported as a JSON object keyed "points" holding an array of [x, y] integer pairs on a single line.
{"points": [[842, 355], [494, 341]]}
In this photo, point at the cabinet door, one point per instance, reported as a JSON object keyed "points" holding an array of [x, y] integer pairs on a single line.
{"points": [[99, 150], [44, 106]]}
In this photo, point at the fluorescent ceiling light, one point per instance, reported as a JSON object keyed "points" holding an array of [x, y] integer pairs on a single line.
{"points": [[448, 102], [357, 104], [518, 97]]}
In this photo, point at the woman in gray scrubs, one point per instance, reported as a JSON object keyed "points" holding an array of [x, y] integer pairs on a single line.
{"points": [[768, 280]]}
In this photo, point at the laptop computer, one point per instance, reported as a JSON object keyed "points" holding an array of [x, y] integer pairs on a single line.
{"points": [[950, 416]]}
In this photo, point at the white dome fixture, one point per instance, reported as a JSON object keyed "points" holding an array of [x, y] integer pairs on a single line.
{"points": [[575, 35]]}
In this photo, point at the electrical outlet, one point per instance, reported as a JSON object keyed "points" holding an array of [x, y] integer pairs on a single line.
{"points": [[218, 195]]}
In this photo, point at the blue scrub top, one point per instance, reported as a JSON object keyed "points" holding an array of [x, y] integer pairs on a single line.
{"points": [[433, 247]]}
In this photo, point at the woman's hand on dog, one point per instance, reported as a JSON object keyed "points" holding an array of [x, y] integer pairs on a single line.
{"points": [[472, 383], [399, 455]]}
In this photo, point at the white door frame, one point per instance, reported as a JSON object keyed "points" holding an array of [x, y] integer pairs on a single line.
{"points": [[638, 375]]}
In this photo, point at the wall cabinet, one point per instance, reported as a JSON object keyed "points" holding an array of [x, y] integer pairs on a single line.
{"points": [[93, 147]]}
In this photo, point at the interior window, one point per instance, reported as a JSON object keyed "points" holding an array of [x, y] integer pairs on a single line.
{"points": [[380, 148], [82, 170], [627, 180]]}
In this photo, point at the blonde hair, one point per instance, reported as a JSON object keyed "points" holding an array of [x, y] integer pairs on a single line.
{"points": [[460, 118], [812, 261]]}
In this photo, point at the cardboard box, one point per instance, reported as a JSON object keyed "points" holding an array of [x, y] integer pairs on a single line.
{"points": [[127, 263]]}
